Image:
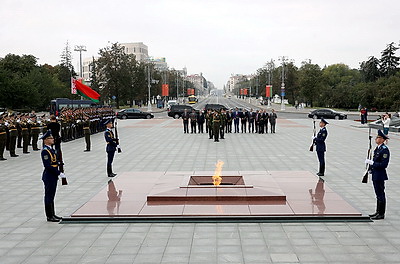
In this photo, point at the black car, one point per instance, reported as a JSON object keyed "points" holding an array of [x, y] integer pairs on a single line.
{"points": [[326, 113], [217, 107], [133, 113], [176, 111]]}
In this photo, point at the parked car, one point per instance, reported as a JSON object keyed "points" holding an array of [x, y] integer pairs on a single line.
{"points": [[214, 107], [327, 113], [133, 113], [171, 103], [176, 111]]}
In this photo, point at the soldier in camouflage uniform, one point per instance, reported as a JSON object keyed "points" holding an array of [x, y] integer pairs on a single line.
{"points": [[35, 131], [25, 134], [13, 136], [216, 124]]}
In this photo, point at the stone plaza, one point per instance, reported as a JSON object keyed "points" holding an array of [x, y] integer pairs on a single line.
{"points": [[159, 145]]}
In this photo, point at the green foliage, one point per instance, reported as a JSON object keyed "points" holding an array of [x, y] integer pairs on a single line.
{"points": [[310, 76], [389, 61]]}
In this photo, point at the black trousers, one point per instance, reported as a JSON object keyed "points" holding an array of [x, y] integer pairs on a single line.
{"points": [[50, 187], [185, 126], [379, 187], [110, 157], [321, 157], [193, 126]]}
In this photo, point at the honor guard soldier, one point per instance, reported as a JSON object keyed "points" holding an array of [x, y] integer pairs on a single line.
{"points": [[50, 176], [320, 146], [86, 132], [111, 146], [378, 166]]}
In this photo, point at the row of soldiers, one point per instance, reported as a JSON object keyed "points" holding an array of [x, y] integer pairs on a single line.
{"points": [[23, 130], [219, 122], [79, 122]]}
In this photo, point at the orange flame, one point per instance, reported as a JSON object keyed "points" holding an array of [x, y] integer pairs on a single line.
{"points": [[217, 179]]}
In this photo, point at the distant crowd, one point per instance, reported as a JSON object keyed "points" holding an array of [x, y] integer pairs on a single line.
{"points": [[219, 122]]}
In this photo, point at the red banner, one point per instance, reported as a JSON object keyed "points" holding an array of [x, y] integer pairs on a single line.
{"points": [[268, 90], [165, 90], [245, 91], [190, 91]]}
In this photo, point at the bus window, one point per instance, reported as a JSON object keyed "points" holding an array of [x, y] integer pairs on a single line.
{"points": [[192, 99]]}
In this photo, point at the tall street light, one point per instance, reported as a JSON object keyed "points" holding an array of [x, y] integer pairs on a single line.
{"points": [[149, 86], [80, 48], [283, 59]]}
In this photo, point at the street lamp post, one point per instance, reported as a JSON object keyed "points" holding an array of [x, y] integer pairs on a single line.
{"points": [[283, 58], [80, 48], [149, 86]]}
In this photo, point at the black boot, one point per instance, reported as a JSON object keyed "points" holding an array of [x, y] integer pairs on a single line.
{"points": [[54, 212], [109, 171], [49, 213], [381, 211], [376, 211], [321, 170]]}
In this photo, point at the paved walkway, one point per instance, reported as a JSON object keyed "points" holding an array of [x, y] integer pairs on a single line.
{"points": [[160, 145]]}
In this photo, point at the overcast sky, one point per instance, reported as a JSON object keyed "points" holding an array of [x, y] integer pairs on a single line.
{"points": [[217, 38]]}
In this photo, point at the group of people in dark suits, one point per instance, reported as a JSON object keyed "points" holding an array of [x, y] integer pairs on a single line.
{"points": [[243, 121]]}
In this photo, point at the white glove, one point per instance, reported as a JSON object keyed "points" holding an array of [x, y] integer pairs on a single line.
{"points": [[368, 161], [62, 175]]}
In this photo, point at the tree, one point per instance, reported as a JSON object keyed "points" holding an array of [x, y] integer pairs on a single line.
{"points": [[338, 86], [310, 82], [370, 69], [389, 62], [65, 70], [115, 74]]}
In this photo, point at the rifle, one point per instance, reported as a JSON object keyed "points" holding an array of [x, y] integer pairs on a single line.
{"points": [[116, 137], [314, 131], [369, 154]]}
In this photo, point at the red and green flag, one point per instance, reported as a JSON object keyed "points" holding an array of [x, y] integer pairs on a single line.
{"points": [[84, 90]]}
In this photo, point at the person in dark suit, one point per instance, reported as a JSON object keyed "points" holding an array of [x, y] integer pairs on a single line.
{"points": [[378, 166], [251, 118], [111, 146], [257, 120], [229, 121], [243, 120], [50, 176], [272, 120], [236, 117], [320, 147], [193, 121], [200, 121], [185, 118]]}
